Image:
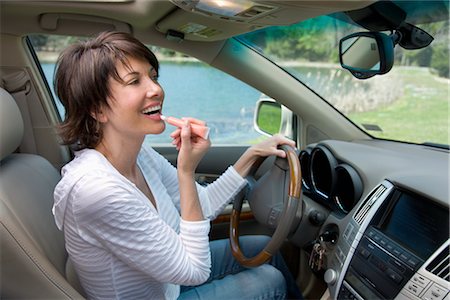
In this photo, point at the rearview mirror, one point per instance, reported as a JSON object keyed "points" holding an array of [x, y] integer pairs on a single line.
{"points": [[366, 54]]}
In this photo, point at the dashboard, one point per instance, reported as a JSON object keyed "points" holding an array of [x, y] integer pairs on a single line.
{"points": [[388, 204]]}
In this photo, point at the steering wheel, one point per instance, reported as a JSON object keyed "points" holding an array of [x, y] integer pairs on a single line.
{"points": [[262, 192]]}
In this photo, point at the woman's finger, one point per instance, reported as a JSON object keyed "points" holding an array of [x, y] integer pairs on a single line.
{"points": [[175, 133], [280, 153], [281, 139], [194, 121], [185, 134]]}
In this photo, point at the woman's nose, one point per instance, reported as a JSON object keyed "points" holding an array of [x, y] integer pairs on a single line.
{"points": [[153, 89]]}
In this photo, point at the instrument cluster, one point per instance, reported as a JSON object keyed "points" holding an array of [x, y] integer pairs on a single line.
{"points": [[328, 180]]}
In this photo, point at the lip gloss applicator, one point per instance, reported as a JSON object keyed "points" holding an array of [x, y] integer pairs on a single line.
{"points": [[197, 129]]}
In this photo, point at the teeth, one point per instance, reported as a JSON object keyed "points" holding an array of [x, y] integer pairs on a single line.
{"points": [[151, 109]]}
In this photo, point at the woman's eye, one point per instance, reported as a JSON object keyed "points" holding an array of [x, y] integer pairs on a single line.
{"points": [[133, 82], [154, 77]]}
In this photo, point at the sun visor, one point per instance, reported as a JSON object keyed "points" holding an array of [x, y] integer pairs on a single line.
{"points": [[78, 24]]}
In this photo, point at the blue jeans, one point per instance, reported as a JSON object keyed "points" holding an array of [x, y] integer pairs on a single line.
{"points": [[229, 280]]}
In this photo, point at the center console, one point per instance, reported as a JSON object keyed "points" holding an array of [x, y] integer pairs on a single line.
{"points": [[395, 247]]}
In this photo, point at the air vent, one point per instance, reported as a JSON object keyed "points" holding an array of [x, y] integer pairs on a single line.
{"points": [[440, 266], [368, 203]]}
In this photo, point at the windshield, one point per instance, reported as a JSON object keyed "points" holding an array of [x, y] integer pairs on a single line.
{"points": [[409, 104]]}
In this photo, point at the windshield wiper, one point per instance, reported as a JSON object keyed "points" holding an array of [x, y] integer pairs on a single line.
{"points": [[442, 146]]}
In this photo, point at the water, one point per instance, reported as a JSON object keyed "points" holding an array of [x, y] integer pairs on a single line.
{"points": [[197, 90], [200, 91]]}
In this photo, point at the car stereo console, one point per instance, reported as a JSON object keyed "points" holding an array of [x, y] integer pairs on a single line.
{"points": [[396, 246]]}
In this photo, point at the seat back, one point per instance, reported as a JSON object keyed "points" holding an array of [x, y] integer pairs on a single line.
{"points": [[33, 259]]}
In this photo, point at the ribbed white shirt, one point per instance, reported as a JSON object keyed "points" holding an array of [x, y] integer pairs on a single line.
{"points": [[121, 246]]}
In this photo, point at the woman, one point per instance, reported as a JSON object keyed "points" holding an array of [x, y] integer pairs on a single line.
{"points": [[135, 226]]}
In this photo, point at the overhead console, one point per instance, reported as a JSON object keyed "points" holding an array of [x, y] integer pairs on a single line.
{"points": [[203, 20], [395, 247]]}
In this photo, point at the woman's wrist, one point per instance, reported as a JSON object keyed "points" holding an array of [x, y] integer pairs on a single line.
{"points": [[189, 202], [246, 161], [185, 173]]}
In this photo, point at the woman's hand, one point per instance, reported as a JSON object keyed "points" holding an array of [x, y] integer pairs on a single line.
{"points": [[265, 148], [270, 146], [191, 147]]}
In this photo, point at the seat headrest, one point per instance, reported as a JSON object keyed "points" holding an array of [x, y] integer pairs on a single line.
{"points": [[11, 124]]}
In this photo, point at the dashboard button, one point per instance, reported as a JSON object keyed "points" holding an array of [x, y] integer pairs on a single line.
{"points": [[390, 247], [348, 231], [364, 253], [371, 246], [414, 289], [404, 257], [273, 216], [397, 251], [413, 262], [398, 264], [330, 276], [435, 292], [394, 276], [420, 280]]}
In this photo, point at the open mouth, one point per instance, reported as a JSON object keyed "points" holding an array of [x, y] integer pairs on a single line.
{"points": [[152, 110]]}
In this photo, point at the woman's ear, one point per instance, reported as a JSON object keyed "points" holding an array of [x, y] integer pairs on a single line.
{"points": [[100, 116]]}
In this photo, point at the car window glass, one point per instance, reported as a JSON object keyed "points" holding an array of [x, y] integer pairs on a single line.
{"points": [[192, 89], [408, 104]]}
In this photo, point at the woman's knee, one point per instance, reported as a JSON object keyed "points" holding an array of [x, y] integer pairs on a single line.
{"points": [[269, 281], [261, 283], [272, 274]]}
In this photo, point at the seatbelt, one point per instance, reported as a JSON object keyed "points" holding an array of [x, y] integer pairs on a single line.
{"points": [[18, 85]]}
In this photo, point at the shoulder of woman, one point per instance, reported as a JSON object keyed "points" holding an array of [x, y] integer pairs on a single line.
{"points": [[90, 178], [103, 193]]}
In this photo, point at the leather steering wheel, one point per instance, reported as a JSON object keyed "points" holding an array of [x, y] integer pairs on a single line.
{"points": [[286, 218]]}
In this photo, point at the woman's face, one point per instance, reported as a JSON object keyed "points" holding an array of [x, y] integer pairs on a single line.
{"points": [[135, 105]]}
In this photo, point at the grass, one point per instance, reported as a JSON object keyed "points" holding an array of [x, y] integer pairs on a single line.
{"points": [[420, 115]]}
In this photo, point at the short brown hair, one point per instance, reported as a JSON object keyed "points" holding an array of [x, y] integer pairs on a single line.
{"points": [[83, 71]]}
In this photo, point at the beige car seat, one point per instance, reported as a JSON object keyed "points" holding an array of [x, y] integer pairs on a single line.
{"points": [[33, 259]]}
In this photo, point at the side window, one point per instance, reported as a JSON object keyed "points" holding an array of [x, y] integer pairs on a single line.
{"points": [[192, 89]]}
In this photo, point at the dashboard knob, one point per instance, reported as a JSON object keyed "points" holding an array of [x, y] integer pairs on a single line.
{"points": [[330, 276], [317, 218]]}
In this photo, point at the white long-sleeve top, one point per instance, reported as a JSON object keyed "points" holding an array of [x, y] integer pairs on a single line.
{"points": [[122, 246]]}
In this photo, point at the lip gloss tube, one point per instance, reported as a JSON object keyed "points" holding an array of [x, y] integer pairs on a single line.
{"points": [[200, 130]]}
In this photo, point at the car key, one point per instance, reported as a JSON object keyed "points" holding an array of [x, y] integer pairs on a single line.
{"points": [[317, 256]]}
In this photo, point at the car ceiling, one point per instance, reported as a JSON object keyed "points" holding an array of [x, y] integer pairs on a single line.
{"points": [[147, 19]]}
